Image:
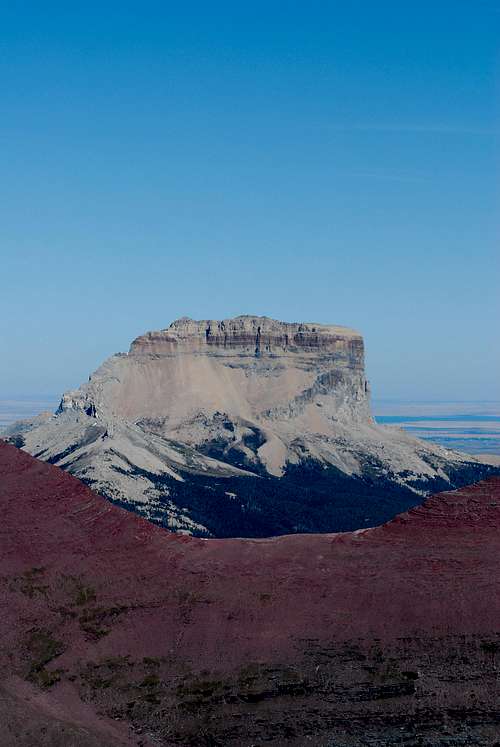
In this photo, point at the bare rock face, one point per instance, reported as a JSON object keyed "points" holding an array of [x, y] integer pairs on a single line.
{"points": [[251, 385], [251, 335], [172, 427]]}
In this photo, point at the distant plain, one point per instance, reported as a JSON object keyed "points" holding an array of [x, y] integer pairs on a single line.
{"points": [[473, 427], [21, 407]]}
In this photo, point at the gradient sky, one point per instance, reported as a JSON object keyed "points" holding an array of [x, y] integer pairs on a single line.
{"points": [[311, 161]]}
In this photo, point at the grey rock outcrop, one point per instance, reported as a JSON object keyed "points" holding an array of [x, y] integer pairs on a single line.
{"points": [[245, 397]]}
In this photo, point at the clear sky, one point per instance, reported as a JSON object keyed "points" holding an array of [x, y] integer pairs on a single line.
{"points": [[311, 161]]}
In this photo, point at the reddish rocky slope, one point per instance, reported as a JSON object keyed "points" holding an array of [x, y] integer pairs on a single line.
{"points": [[114, 631]]}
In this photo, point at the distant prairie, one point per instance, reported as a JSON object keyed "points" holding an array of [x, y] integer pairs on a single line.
{"points": [[19, 407], [472, 427]]}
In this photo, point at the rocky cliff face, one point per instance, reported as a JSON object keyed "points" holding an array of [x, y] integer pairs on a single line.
{"points": [[255, 336], [114, 632], [242, 380], [172, 427]]}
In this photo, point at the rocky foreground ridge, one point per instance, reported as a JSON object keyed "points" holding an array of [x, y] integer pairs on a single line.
{"points": [[116, 633], [242, 427]]}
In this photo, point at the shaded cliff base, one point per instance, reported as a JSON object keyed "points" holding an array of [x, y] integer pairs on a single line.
{"points": [[309, 498], [115, 632]]}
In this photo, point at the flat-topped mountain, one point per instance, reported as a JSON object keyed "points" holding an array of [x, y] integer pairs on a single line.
{"points": [[246, 426], [384, 636]]}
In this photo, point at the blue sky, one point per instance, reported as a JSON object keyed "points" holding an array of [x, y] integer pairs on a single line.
{"points": [[320, 161]]}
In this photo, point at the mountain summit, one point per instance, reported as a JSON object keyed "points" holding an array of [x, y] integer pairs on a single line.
{"points": [[246, 426]]}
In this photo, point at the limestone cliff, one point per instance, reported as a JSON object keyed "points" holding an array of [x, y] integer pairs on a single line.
{"points": [[205, 401]]}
